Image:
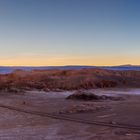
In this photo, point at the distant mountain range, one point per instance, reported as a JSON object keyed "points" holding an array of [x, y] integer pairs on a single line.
{"points": [[9, 69]]}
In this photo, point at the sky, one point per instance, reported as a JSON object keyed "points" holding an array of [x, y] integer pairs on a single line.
{"points": [[69, 32]]}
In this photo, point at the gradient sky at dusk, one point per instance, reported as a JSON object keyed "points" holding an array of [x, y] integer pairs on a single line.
{"points": [[69, 32]]}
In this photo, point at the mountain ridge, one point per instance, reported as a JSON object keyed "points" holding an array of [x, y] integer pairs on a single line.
{"points": [[9, 69]]}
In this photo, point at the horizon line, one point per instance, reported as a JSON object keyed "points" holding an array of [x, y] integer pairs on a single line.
{"points": [[68, 65]]}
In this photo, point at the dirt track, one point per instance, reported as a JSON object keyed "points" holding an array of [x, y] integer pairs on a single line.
{"points": [[22, 126]]}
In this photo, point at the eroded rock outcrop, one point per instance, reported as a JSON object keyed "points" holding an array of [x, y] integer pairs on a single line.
{"points": [[87, 96]]}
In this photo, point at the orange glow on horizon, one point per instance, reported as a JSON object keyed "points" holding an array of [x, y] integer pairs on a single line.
{"points": [[61, 61]]}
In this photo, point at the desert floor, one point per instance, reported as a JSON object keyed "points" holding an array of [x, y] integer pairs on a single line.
{"points": [[18, 125]]}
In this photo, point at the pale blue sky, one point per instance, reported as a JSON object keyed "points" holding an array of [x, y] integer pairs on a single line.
{"points": [[69, 32]]}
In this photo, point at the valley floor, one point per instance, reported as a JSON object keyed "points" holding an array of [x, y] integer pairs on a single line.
{"points": [[18, 125]]}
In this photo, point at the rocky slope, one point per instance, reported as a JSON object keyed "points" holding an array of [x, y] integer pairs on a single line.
{"points": [[69, 79]]}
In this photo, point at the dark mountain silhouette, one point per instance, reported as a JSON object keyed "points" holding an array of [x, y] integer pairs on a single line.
{"points": [[7, 69]]}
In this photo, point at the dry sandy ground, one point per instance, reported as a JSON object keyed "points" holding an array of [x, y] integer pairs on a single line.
{"points": [[16, 125]]}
